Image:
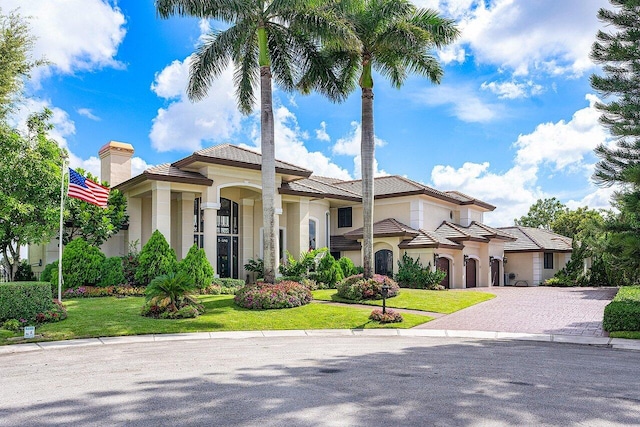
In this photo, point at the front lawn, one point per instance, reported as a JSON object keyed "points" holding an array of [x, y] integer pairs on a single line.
{"points": [[110, 316], [418, 299]]}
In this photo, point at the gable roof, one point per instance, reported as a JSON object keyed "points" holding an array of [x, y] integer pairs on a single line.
{"points": [[531, 239], [386, 228], [232, 155], [475, 232], [341, 243], [166, 172], [317, 187], [429, 239]]}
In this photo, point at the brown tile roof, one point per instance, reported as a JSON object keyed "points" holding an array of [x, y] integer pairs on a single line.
{"points": [[386, 228], [166, 172], [232, 155], [476, 232], [315, 187], [429, 239], [340, 243], [536, 240]]}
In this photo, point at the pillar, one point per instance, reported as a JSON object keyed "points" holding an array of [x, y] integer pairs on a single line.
{"points": [[161, 208]]}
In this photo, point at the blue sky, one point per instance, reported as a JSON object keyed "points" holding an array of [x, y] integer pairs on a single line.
{"points": [[511, 122]]}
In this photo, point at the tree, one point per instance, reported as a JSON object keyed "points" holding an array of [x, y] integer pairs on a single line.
{"points": [[15, 64], [396, 39], [93, 223], [30, 179], [264, 39], [156, 258], [576, 223], [542, 214]]}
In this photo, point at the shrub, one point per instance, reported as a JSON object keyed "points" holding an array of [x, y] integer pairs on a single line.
{"points": [[255, 266], [24, 300], [623, 313], [157, 258], [24, 273], [261, 296], [112, 272], [317, 265], [45, 276], [224, 286], [357, 288], [81, 265], [168, 294], [348, 267], [197, 267], [411, 274], [130, 264], [559, 281], [56, 313], [93, 291], [12, 325], [390, 316]]}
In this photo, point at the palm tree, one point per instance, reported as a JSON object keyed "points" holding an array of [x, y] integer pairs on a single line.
{"points": [[395, 39], [279, 38], [172, 288]]}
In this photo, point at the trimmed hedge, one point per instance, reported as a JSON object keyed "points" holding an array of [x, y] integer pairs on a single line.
{"points": [[623, 313], [24, 300], [356, 288]]}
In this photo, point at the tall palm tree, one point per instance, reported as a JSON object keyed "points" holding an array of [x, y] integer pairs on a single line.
{"points": [[395, 39], [266, 38]]}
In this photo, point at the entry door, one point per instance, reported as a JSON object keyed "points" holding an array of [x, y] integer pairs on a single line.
{"points": [[495, 273], [443, 265], [471, 273], [384, 262], [228, 256]]}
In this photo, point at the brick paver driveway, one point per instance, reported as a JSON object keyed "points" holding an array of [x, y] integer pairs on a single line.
{"points": [[563, 311]]}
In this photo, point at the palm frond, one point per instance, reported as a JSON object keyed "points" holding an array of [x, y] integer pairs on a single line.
{"points": [[223, 10], [247, 73]]}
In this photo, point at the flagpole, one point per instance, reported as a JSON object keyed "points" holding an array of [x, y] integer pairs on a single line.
{"points": [[64, 164]]}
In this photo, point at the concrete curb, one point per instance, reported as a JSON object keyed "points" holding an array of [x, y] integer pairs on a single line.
{"points": [[615, 343]]}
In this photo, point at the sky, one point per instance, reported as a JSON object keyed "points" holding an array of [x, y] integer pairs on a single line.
{"points": [[512, 121]]}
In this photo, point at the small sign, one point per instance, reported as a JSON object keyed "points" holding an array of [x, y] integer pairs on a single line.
{"points": [[29, 331]]}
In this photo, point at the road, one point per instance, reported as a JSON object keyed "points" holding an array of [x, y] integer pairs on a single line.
{"points": [[322, 381]]}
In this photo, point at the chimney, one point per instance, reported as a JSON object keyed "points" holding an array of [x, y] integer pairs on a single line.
{"points": [[115, 162]]}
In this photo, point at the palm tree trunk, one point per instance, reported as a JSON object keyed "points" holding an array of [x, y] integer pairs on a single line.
{"points": [[367, 147], [268, 175]]}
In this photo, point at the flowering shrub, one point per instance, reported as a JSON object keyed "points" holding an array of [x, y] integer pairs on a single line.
{"points": [[389, 317], [94, 291], [55, 314], [285, 294], [357, 288]]}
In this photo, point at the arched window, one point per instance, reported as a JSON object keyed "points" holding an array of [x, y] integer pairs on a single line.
{"points": [[227, 229], [384, 262], [313, 234]]}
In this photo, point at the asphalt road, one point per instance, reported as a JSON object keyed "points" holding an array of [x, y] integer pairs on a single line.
{"points": [[322, 381]]}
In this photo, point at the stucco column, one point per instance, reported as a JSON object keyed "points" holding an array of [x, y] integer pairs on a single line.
{"points": [[185, 242], [277, 225], [161, 208], [247, 233], [134, 233], [210, 205], [302, 218]]}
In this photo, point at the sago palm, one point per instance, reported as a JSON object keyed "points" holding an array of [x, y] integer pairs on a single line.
{"points": [[279, 38], [172, 288], [395, 39]]}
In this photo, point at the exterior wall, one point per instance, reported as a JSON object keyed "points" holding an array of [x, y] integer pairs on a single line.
{"points": [[434, 215], [318, 210], [145, 218], [522, 265], [389, 243], [559, 261]]}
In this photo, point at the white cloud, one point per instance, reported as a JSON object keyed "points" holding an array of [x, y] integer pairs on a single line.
{"points": [[548, 36], [561, 146], [73, 35], [464, 104], [138, 166], [513, 89], [86, 112], [290, 146], [350, 144], [184, 125], [322, 134]]}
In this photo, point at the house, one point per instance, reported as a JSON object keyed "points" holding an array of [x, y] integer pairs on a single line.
{"points": [[535, 256], [213, 198]]}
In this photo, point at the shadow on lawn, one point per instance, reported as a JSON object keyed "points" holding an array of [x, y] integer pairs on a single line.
{"points": [[462, 384]]}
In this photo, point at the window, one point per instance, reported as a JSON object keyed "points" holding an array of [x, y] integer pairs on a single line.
{"points": [[548, 261], [227, 229], [198, 223], [344, 217], [313, 226], [227, 219]]}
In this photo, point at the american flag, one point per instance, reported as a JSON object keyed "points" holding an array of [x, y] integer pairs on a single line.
{"points": [[87, 190]]}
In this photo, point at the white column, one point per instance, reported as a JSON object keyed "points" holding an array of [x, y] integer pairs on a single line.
{"points": [[161, 208], [247, 233], [417, 214], [134, 209], [210, 205], [185, 201], [303, 234]]}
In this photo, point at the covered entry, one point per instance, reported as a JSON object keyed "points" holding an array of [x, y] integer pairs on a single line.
{"points": [[470, 273], [384, 262]]}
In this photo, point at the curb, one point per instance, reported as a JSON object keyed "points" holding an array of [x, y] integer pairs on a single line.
{"points": [[615, 343]]}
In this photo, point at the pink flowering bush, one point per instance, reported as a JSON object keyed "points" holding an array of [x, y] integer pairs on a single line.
{"points": [[390, 316], [94, 291], [263, 296], [56, 313], [357, 288]]}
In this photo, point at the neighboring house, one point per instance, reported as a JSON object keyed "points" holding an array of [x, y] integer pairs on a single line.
{"points": [[213, 198], [536, 255]]}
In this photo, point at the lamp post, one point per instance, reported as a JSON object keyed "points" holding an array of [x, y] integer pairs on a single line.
{"points": [[385, 294]]}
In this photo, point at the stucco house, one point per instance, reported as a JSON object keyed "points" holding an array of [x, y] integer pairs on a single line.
{"points": [[535, 256], [213, 198]]}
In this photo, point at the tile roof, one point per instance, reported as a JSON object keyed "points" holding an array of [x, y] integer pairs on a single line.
{"points": [[536, 240], [232, 155], [474, 232], [386, 228], [317, 187], [340, 243], [166, 172], [429, 239]]}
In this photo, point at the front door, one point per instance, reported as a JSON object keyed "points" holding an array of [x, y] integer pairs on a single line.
{"points": [[228, 256], [384, 262], [495, 273], [471, 273], [443, 265]]}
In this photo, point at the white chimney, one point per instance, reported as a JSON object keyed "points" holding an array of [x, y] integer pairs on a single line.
{"points": [[115, 162]]}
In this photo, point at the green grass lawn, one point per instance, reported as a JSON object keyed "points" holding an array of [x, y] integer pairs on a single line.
{"points": [[633, 335], [419, 299], [110, 316]]}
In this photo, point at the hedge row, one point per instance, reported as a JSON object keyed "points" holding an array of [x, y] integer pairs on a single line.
{"points": [[623, 313], [24, 300]]}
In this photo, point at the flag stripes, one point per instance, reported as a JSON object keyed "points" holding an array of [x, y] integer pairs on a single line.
{"points": [[87, 190]]}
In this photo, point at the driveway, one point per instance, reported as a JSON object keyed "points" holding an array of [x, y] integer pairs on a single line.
{"points": [[561, 311]]}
